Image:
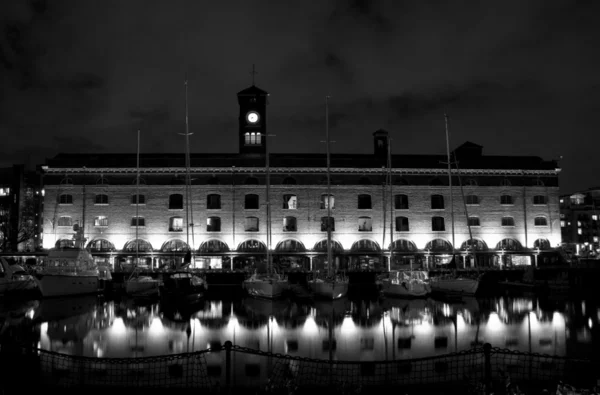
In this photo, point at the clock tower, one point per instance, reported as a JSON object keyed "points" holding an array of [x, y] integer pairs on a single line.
{"points": [[253, 120]]}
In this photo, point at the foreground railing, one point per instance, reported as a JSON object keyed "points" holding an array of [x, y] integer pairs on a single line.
{"points": [[230, 367]]}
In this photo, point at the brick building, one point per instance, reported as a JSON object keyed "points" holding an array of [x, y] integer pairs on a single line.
{"points": [[511, 202], [580, 222]]}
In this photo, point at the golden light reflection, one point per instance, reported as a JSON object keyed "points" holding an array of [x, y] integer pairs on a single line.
{"points": [[494, 323], [460, 323], [348, 327], [156, 327], [118, 327], [310, 326], [558, 320]]}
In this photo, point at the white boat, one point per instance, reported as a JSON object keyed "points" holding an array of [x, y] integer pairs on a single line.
{"points": [[68, 271], [407, 284], [329, 288], [270, 286], [14, 279], [454, 284], [142, 286]]}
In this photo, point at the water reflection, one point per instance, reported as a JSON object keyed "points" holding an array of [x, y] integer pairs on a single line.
{"points": [[341, 330]]}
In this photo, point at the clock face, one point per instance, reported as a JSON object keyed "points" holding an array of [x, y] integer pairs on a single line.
{"points": [[252, 117]]}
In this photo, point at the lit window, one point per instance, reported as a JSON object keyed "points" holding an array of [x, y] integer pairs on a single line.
{"points": [[579, 231], [101, 221], [594, 217], [325, 202], [176, 224], [365, 224], [579, 224], [595, 239], [252, 138], [562, 201], [4, 191], [563, 224], [290, 202]]}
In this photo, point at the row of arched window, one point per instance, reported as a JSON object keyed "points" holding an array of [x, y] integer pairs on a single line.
{"points": [[290, 245], [290, 201]]}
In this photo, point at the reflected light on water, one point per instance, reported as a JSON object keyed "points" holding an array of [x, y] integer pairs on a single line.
{"points": [[310, 326], [44, 328], [156, 327], [460, 323], [534, 323], [348, 326], [494, 323], [558, 320], [118, 327], [424, 328]]}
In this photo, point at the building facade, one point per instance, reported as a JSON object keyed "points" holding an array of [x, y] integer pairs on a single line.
{"points": [[20, 209], [387, 211], [580, 224]]}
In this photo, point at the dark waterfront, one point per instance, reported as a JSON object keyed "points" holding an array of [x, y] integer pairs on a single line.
{"points": [[354, 329]]}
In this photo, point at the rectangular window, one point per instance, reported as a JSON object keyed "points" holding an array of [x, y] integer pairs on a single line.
{"points": [[138, 221], [474, 221], [506, 200], [438, 224], [65, 221], [365, 224], [290, 202], [437, 202], [289, 224], [251, 224], [402, 224], [176, 224], [213, 202], [101, 221], [364, 202], [4, 191], [540, 221], [579, 231], [324, 223], [101, 199], [138, 199], [401, 202], [472, 199], [65, 199], [563, 224], [176, 201], [251, 202], [327, 202], [508, 221], [594, 217], [213, 224], [539, 200]]}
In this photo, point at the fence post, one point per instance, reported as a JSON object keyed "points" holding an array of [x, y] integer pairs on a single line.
{"points": [[228, 345], [487, 354]]}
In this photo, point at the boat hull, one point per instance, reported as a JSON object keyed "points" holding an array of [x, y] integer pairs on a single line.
{"points": [[464, 286], [405, 289], [328, 289], [139, 287], [267, 288], [63, 284], [11, 287]]}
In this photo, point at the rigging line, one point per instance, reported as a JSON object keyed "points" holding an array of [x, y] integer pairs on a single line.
{"points": [[470, 242], [391, 184], [328, 186], [450, 184]]}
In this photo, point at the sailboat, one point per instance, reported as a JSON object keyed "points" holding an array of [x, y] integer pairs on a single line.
{"points": [[332, 286], [137, 285], [270, 285], [454, 283], [182, 286], [406, 283]]}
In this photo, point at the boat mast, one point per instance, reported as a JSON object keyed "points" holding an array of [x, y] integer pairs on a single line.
{"points": [[450, 182], [389, 163], [462, 193], [137, 202], [188, 195], [329, 265], [268, 191]]}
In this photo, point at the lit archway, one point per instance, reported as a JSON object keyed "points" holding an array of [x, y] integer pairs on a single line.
{"points": [[142, 246], [100, 245], [474, 244], [403, 245], [175, 245], [439, 245], [542, 244], [509, 245], [213, 246]]}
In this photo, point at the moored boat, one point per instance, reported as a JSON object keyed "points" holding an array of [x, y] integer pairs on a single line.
{"points": [[183, 287], [270, 286], [455, 284], [329, 288], [407, 284], [142, 286], [14, 279]]}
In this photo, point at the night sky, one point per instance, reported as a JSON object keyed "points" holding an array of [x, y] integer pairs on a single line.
{"points": [[518, 77]]}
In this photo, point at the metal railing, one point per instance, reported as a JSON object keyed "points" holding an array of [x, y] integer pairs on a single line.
{"points": [[226, 367]]}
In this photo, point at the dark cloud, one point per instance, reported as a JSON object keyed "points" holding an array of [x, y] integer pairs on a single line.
{"points": [[515, 76]]}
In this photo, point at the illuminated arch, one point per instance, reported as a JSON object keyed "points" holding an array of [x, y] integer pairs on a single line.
{"points": [[143, 246], [403, 245], [509, 244], [321, 246], [474, 244], [439, 245], [365, 245], [101, 245], [542, 244], [175, 245], [252, 245], [290, 245], [213, 245]]}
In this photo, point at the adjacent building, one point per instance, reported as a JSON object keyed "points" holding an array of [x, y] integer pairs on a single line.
{"points": [[579, 222], [386, 211]]}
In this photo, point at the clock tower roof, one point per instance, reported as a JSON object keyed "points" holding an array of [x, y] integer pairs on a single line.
{"points": [[252, 91]]}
